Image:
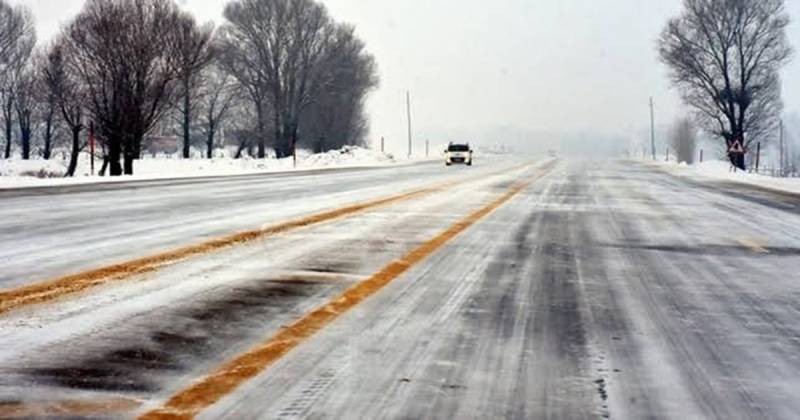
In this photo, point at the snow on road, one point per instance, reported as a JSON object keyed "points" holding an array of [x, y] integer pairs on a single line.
{"points": [[66, 229], [602, 290]]}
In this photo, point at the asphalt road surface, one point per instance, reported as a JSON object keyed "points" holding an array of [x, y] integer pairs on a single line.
{"points": [[512, 289]]}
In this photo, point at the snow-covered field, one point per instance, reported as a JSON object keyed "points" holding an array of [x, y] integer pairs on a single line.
{"points": [[720, 170], [21, 173]]}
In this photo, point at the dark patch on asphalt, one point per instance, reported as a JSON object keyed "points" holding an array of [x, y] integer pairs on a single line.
{"points": [[558, 274], [503, 185], [539, 268], [330, 266], [170, 342], [712, 249], [104, 377]]}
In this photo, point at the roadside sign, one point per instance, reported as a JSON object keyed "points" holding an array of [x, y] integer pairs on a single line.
{"points": [[736, 148]]}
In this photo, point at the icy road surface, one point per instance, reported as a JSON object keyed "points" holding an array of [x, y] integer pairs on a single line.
{"points": [[599, 290]]}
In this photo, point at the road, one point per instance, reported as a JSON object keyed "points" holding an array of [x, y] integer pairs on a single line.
{"points": [[555, 289]]}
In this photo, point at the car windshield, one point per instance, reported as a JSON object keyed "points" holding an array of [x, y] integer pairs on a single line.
{"points": [[458, 148]]}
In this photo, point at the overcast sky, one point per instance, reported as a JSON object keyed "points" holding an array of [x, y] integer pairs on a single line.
{"points": [[487, 69]]}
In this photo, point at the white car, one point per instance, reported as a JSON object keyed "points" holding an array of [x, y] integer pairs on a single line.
{"points": [[458, 153]]}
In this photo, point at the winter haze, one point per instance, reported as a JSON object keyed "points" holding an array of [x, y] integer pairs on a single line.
{"points": [[534, 74]]}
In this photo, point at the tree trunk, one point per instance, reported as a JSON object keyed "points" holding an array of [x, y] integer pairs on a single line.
{"points": [[46, 153], [210, 141], [104, 167], [48, 139], [137, 149], [319, 145], [8, 112], [114, 155], [293, 141], [9, 130], [25, 139], [288, 136], [278, 135], [187, 119], [24, 124], [239, 151], [128, 159], [73, 158], [262, 136]]}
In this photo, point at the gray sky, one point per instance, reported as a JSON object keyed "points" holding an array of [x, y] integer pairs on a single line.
{"points": [[510, 68]]}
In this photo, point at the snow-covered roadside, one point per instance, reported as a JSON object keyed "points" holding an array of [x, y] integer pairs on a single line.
{"points": [[16, 173], [718, 170]]}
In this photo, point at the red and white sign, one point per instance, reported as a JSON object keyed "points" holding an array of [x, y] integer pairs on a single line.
{"points": [[736, 147]]}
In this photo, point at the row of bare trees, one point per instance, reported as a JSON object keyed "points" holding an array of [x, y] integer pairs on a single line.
{"points": [[276, 74], [301, 72]]}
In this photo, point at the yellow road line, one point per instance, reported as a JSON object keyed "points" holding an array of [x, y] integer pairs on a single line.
{"points": [[189, 402], [49, 290], [53, 289]]}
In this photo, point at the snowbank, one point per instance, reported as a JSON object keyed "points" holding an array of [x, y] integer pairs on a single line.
{"points": [[719, 170], [20, 173]]}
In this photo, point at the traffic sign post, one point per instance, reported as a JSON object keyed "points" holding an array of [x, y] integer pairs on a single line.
{"points": [[736, 152]]}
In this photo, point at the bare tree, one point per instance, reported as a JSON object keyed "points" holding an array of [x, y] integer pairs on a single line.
{"points": [[126, 55], [336, 115], [241, 129], [63, 84], [196, 52], [25, 103], [17, 33], [7, 94], [724, 56], [275, 48], [17, 39], [220, 95], [49, 110], [245, 54]]}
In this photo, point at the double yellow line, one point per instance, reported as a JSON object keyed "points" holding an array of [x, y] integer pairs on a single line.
{"points": [[189, 402]]}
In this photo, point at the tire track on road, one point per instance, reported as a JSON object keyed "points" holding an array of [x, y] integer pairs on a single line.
{"points": [[224, 380]]}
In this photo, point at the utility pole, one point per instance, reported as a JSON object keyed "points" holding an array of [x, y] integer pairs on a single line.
{"points": [[382, 145], [408, 112], [781, 146], [652, 128], [427, 147]]}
